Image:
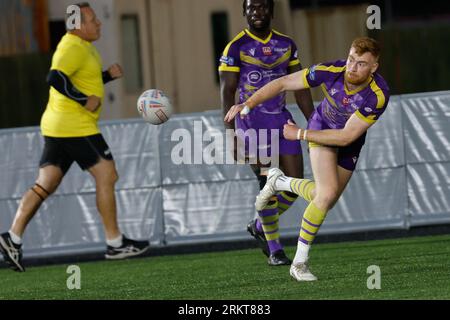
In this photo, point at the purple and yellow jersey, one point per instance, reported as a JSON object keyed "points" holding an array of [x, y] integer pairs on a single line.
{"points": [[258, 62], [368, 102]]}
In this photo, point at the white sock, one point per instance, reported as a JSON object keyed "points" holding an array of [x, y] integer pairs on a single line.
{"points": [[15, 238], [115, 243], [302, 254], [283, 183]]}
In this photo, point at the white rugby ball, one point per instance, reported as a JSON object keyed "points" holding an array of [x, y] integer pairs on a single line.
{"points": [[154, 106]]}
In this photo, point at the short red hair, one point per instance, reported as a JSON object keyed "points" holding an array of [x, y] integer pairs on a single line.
{"points": [[366, 44]]}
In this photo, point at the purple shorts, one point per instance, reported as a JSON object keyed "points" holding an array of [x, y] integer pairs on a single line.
{"points": [[263, 133], [347, 156]]}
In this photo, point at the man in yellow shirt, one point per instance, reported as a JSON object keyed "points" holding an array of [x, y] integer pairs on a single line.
{"points": [[70, 129]]}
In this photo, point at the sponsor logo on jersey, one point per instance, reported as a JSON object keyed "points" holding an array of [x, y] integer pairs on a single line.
{"points": [[281, 49], [227, 60], [252, 51], [346, 101], [254, 77], [267, 51], [333, 91], [312, 73], [367, 109]]}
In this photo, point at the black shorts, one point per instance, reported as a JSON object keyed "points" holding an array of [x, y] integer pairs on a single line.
{"points": [[86, 151]]}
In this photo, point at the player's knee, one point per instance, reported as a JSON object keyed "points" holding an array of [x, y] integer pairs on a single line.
{"points": [[326, 198], [115, 177], [111, 178], [49, 184], [106, 176]]}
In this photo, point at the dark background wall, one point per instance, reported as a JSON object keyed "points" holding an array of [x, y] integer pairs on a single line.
{"points": [[23, 89]]}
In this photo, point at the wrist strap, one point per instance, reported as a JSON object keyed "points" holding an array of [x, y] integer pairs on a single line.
{"points": [[299, 134], [245, 111]]}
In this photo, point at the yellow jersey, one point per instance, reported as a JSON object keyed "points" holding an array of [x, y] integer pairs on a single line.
{"points": [[81, 62]]}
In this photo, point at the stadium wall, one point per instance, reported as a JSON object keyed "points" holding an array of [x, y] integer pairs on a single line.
{"points": [[402, 180]]}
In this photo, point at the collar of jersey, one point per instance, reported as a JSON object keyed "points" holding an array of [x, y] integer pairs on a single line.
{"points": [[78, 39], [360, 88], [265, 41]]}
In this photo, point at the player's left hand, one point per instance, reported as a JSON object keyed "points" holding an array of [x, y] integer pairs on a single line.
{"points": [[234, 110], [290, 131], [115, 71]]}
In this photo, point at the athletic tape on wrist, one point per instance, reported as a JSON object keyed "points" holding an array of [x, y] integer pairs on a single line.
{"points": [[304, 135], [299, 133], [245, 111]]}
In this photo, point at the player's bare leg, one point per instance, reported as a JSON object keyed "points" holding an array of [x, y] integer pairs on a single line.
{"points": [[118, 246], [344, 176], [11, 242], [279, 181], [48, 181], [325, 171], [105, 175], [330, 181]]}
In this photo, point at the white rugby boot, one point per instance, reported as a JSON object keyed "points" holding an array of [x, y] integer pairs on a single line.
{"points": [[301, 272], [269, 190]]}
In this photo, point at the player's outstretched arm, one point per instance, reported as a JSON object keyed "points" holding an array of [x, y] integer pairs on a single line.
{"points": [[354, 128], [290, 82], [303, 97]]}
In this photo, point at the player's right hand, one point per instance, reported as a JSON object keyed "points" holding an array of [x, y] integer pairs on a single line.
{"points": [[93, 103], [234, 110]]}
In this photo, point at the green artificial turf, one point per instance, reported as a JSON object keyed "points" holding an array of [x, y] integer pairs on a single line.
{"points": [[411, 268]]}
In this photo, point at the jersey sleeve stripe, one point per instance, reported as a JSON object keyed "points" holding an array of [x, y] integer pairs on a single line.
{"points": [[227, 48], [381, 99], [327, 95], [224, 67], [330, 68], [294, 63], [363, 118], [305, 79]]}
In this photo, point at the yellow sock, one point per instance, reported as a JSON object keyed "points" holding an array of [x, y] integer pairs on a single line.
{"points": [[312, 220], [303, 187]]}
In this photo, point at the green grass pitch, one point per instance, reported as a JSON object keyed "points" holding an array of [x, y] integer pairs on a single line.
{"points": [[411, 268]]}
